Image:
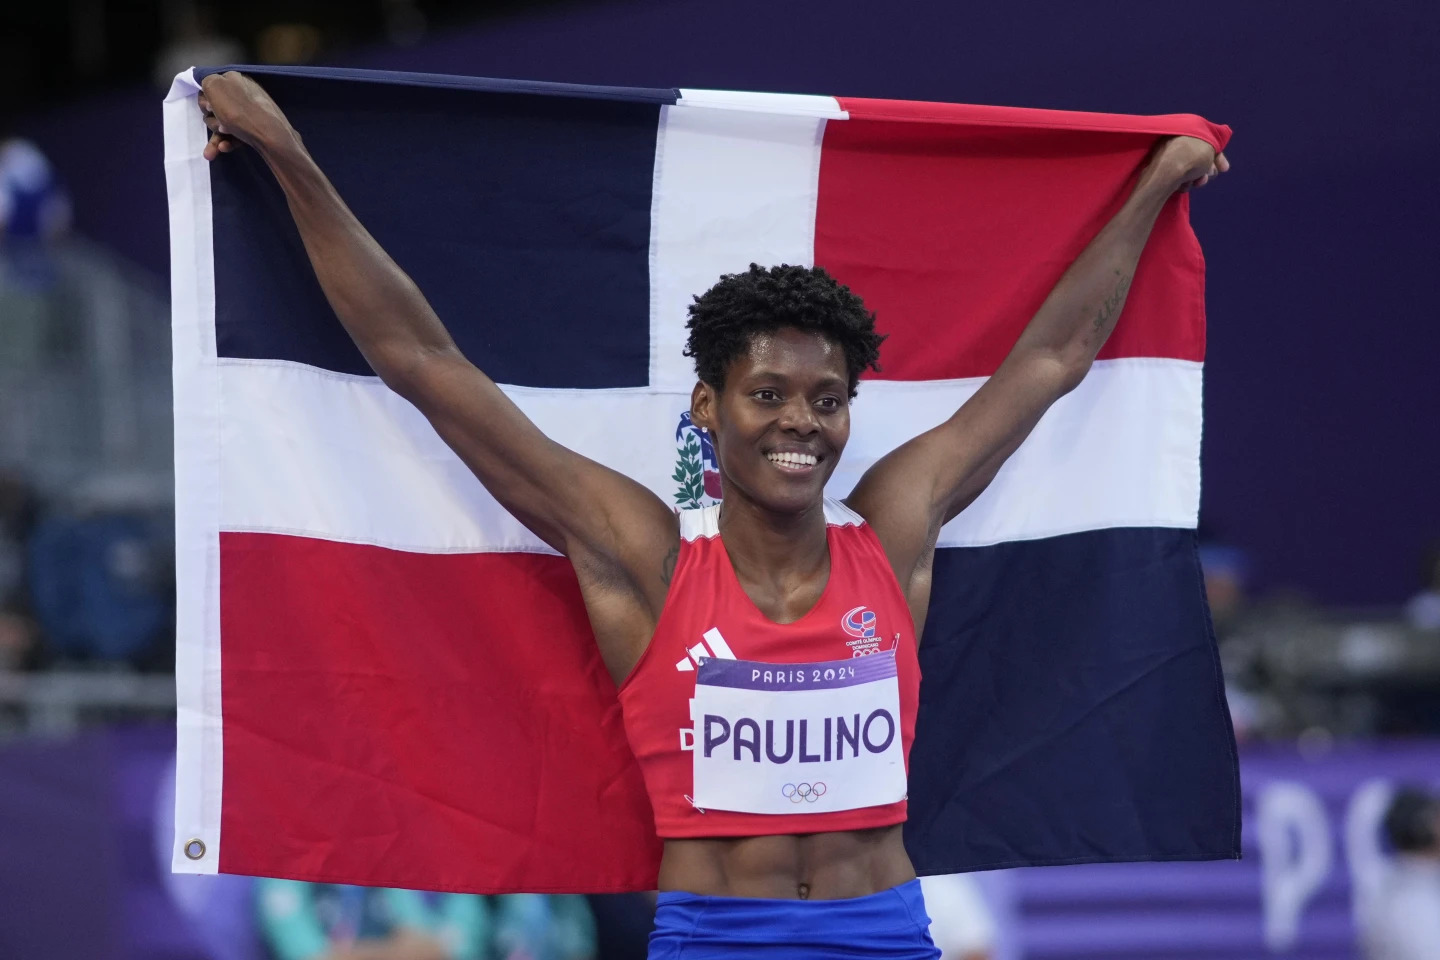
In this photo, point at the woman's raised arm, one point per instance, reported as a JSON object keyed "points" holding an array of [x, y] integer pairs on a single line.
{"points": [[918, 487]]}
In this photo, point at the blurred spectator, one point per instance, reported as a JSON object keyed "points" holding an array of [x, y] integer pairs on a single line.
{"points": [[34, 208], [33, 203], [530, 926], [1405, 924], [100, 584], [1423, 610], [312, 921]]}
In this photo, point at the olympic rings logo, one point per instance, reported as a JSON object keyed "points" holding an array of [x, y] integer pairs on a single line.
{"points": [[808, 792]]}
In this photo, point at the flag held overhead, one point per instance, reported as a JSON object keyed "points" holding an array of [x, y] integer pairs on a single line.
{"points": [[386, 679]]}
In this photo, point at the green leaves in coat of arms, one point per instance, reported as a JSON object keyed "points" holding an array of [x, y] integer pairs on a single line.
{"points": [[689, 473]]}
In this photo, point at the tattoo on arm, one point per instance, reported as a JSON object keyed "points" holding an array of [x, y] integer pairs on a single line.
{"points": [[1105, 317], [667, 566]]}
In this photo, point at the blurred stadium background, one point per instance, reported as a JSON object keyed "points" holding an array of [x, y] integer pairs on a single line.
{"points": [[1320, 515]]}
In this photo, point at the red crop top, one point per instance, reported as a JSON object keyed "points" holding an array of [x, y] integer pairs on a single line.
{"points": [[743, 726]]}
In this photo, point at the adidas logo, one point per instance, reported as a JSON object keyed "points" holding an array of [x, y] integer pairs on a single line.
{"points": [[717, 648]]}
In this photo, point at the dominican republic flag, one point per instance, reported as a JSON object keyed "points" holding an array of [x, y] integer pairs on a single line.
{"points": [[385, 679]]}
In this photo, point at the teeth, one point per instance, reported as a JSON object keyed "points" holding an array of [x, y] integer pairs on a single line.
{"points": [[793, 459]]}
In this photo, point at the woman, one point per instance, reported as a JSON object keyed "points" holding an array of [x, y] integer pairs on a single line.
{"points": [[705, 619]]}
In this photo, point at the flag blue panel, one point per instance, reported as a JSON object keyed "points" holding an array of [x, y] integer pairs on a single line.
{"points": [[524, 219], [584, 91], [1049, 666]]}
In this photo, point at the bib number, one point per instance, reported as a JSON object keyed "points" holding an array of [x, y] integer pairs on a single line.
{"points": [[797, 737]]}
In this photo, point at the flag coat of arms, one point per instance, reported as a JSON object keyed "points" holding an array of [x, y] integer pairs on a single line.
{"points": [[384, 678]]}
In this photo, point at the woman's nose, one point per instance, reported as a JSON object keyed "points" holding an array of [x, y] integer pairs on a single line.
{"points": [[799, 417]]}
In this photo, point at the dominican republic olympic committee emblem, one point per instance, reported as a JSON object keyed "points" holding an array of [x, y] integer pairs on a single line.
{"points": [[697, 470]]}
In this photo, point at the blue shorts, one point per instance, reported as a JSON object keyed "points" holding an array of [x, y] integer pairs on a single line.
{"points": [[891, 924]]}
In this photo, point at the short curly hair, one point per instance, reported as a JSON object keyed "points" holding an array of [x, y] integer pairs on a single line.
{"points": [[763, 299]]}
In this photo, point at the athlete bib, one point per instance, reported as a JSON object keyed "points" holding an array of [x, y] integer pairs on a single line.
{"points": [[796, 737]]}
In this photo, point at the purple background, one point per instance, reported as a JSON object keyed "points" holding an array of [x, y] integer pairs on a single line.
{"points": [[81, 874], [81, 868], [1172, 911], [1321, 402]]}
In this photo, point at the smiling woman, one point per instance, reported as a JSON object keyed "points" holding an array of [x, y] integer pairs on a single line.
{"points": [[781, 426], [790, 344]]}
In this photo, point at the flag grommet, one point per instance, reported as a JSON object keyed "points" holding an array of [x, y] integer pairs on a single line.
{"points": [[195, 849]]}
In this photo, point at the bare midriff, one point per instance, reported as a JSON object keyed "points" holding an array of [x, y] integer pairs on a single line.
{"points": [[812, 866]]}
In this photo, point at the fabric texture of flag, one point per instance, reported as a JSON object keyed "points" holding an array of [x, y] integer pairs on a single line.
{"points": [[385, 679]]}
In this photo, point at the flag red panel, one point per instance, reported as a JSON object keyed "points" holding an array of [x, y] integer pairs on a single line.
{"points": [[364, 700], [954, 231]]}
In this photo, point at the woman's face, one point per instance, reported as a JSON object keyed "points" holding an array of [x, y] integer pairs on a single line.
{"points": [[782, 420]]}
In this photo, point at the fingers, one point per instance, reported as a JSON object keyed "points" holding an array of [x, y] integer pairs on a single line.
{"points": [[218, 143], [220, 140], [1221, 165]]}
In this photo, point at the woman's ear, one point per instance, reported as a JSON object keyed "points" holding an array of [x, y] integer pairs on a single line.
{"points": [[704, 404]]}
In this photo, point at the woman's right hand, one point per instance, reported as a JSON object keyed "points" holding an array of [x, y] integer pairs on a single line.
{"points": [[238, 110]]}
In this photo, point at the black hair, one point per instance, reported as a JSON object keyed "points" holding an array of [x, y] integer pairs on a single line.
{"points": [[1410, 820], [764, 299]]}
